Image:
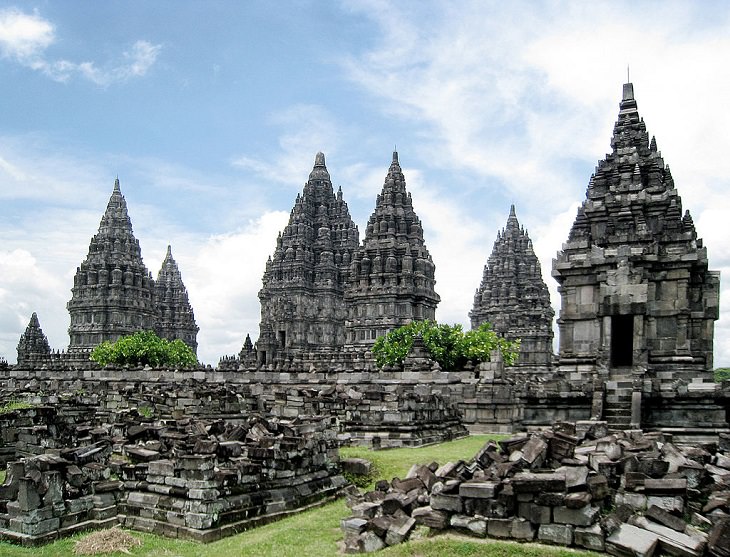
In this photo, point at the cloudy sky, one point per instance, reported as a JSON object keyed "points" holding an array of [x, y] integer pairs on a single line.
{"points": [[211, 114]]}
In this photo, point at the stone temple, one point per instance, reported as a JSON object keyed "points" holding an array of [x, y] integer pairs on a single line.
{"points": [[638, 300], [302, 297], [115, 295], [391, 281], [514, 298]]}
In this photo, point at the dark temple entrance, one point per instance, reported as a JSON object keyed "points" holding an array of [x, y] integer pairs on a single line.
{"points": [[622, 340]]}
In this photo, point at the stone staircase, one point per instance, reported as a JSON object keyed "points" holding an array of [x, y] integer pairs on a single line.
{"points": [[617, 406]]}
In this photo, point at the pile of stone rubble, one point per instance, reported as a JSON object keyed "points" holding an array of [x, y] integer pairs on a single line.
{"points": [[626, 493], [183, 478]]}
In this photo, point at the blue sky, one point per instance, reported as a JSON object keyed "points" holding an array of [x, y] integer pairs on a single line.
{"points": [[211, 114]]}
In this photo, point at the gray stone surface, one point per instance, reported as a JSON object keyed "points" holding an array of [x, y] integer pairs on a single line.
{"points": [[514, 298], [633, 541]]}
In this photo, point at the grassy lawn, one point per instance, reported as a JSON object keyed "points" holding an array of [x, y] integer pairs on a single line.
{"points": [[317, 533]]}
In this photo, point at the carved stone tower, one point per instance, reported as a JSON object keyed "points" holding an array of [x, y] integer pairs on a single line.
{"points": [[636, 291], [302, 298], [33, 342], [392, 274], [113, 292], [514, 298], [175, 317]]}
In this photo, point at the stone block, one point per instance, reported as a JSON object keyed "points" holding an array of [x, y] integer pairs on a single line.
{"points": [[598, 487], [534, 451], [499, 527], [665, 485], [670, 504], [669, 520], [531, 482], [577, 500], [560, 534], [537, 514], [548, 499], [399, 531], [522, 529], [446, 502], [470, 525], [718, 543], [628, 540], [198, 521], [671, 541], [28, 497], [478, 490], [576, 477], [369, 542], [637, 501], [590, 537], [161, 468], [427, 516], [584, 516]]}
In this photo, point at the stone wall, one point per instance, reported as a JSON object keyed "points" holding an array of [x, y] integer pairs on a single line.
{"points": [[185, 478]]}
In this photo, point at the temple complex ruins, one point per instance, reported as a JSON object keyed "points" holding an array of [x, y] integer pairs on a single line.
{"points": [[514, 298], [636, 326]]}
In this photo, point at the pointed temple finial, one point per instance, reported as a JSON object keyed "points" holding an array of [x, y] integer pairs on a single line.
{"points": [[512, 211], [116, 185], [169, 252], [319, 159], [395, 156], [628, 73]]}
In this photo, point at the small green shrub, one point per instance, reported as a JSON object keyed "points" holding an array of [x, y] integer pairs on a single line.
{"points": [[14, 405], [447, 344], [145, 411], [144, 348], [363, 481], [722, 374]]}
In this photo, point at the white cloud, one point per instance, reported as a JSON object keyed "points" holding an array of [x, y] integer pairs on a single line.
{"points": [[223, 278], [25, 38], [308, 129]]}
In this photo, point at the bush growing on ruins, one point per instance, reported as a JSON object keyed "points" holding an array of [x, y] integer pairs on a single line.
{"points": [[144, 348], [722, 374], [449, 345], [13, 405]]}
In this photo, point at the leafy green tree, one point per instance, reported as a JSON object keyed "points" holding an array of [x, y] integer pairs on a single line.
{"points": [[722, 374], [144, 348], [447, 344]]}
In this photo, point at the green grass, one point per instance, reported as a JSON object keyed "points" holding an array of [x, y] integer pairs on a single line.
{"points": [[316, 532], [392, 463], [14, 405]]}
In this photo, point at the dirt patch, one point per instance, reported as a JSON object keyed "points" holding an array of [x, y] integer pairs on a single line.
{"points": [[106, 541]]}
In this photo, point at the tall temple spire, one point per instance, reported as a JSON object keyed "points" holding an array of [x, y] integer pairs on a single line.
{"points": [[175, 317], [302, 306], [113, 291], [514, 298], [392, 275]]}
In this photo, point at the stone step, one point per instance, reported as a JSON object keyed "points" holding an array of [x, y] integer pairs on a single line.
{"points": [[614, 412]]}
